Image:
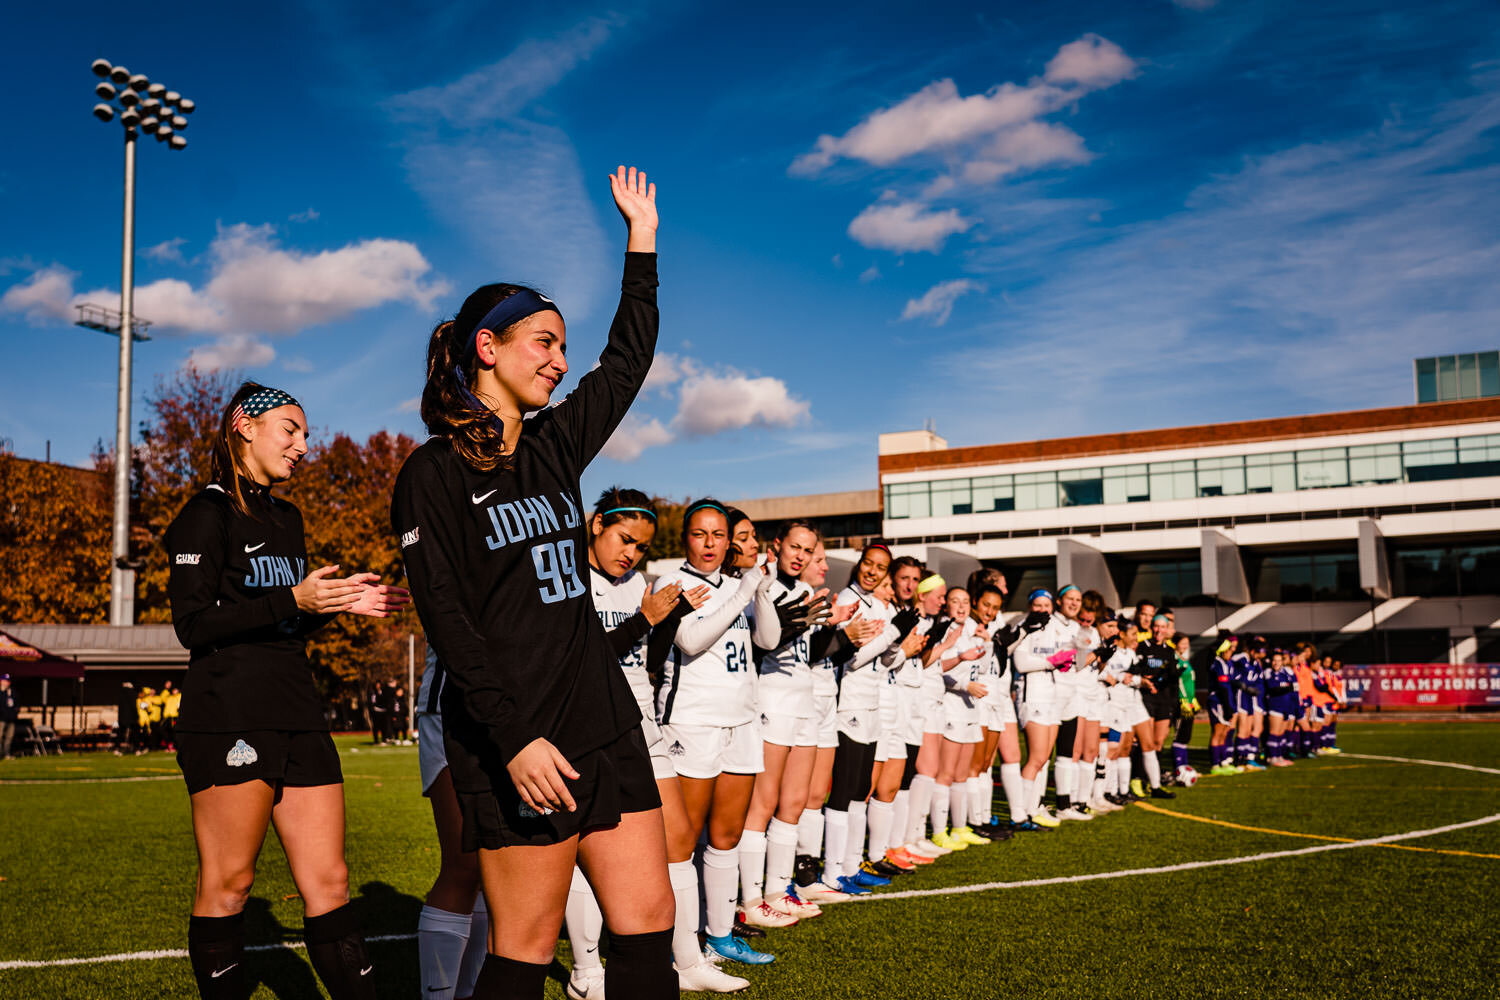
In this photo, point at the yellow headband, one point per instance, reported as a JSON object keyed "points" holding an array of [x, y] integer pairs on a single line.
{"points": [[931, 583]]}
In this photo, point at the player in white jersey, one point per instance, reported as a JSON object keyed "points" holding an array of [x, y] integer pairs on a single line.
{"points": [[894, 761], [997, 712], [932, 595], [706, 707], [1127, 713], [858, 720], [789, 735], [961, 730], [1037, 658], [622, 528], [1096, 627], [453, 928], [1069, 694]]}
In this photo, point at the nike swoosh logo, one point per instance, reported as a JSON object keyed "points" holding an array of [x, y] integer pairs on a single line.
{"points": [[216, 975], [252, 548], [482, 499], [367, 970]]}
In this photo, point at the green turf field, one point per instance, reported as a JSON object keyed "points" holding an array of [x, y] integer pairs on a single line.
{"points": [[91, 868]]}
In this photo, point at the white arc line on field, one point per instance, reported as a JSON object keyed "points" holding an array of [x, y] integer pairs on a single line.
{"points": [[1430, 763], [957, 890], [146, 956], [89, 781]]}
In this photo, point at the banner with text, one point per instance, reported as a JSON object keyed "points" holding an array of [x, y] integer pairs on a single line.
{"points": [[1422, 685]]}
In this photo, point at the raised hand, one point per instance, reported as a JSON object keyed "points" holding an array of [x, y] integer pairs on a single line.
{"points": [[636, 201], [377, 600]]}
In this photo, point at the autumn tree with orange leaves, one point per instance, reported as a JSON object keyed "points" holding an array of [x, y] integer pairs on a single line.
{"points": [[54, 542]]}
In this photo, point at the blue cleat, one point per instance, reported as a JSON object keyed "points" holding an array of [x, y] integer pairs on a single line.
{"points": [[869, 879], [736, 950], [850, 887]]}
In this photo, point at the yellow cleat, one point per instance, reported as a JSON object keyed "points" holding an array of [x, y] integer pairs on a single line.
{"points": [[948, 842]]}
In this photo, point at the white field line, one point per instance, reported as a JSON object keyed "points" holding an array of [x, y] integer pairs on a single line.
{"points": [[146, 956], [89, 781], [1429, 763]]}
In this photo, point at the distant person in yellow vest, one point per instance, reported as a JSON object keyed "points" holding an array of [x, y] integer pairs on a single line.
{"points": [[171, 700], [148, 716]]}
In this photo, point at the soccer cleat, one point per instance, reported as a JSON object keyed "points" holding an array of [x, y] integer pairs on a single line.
{"points": [[994, 831], [1103, 805], [929, 847], [1027, 826], [744, 930], [948, 843], [968, 836], [905, 860], [1223, 769], [736, 950], [705, 977], [1072, 812], [1333, 750], [1253, 765], [585, 984], [849, 887], [796, 906], [868, 877], [1044, 818], [1162, 793], [1137, 789], [983, 831], [884, 868], [763, 914], [820, 892], [923, 849]]}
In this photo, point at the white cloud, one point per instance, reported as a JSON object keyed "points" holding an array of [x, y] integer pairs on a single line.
{"points": [[412, 405], [666, 369], [256, 286], [710, 402], [167, 251], [906, 225], [235, 350], [869, 274], [1092, 62], [937, 303], [298, 364], [307, 215], [634, 435]]}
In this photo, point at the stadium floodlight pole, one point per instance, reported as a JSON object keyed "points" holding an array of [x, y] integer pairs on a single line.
{"points": [[153, 109]]}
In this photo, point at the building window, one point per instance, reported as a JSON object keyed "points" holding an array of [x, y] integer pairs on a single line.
{"points": [[1303, 576], [1273, 473], [992, 493], [1081, 487], [1036, 491], [1126, 484], [1373, 464], [1458, 376], [1171, 583], [1445, 570], [1221, 477], [1320, 468], [906, 500], [1173, 480], [951, 496], [1023, 579]]}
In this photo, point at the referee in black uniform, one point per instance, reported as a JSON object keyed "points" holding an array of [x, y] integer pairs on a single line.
{"points": [[252, 739]]}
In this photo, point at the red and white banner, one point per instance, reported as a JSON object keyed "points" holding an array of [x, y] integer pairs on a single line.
{"points": [[1422, 685]]}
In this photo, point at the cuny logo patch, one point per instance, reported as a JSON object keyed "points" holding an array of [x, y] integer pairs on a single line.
{"points": [[188, 558], [240, 754], [411, 537]]}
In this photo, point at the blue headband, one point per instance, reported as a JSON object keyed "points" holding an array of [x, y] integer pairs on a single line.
{"points": [[509, 311], [1039, 592], [1065, 589], [620, 510], [702, 505], [260, 401]]}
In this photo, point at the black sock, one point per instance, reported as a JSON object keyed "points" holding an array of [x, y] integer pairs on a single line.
{"points": [[640, 965], [216, 946], [1137, 762], [510, 979], [336, 949]]}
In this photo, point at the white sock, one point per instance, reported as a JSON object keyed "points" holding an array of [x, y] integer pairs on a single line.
{"points": [[585, 922], [1122, 774], [900, 824], [976, 800], [1065, 777], [781, 857], [1083, 774], [921, 803], [684, 879], [881, 819], [1034, 790], [810, 832], [958, 804], [752, 853], [1041, 785], [854, 853], [986, 797], [1153, 768], [441, 939], [721, 889], [1015, 791], [836, 827], [940, 800], [479, 946]]}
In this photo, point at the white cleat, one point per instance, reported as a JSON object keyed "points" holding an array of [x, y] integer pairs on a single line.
{"points": [[706, 977], [927, 847], [1071, 813], [794, 906], [821, 892], [1102, 805], [586, 984], [763, 914]]}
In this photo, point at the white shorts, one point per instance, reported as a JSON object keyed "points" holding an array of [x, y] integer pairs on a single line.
{"points": [[1095, 708], [960, 719], [916, 716], [431, 757], [787, 730], [1128, 714], [862, 725], [1041, 712], [962, 732], [890, 746], [826, 716], [932, 714], [992, 716], [656, 745], [709, 751]]}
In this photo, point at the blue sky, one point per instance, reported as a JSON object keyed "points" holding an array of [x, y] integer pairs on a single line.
{"points": [[1039, 220]]}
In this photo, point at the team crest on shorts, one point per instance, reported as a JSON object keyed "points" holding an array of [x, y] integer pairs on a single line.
{"points": [[676, 749], [763, 720], [240, 754]]}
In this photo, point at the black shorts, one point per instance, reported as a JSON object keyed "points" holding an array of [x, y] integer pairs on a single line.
{"points": [[1161, 705], [613, 780], [279, 757]]}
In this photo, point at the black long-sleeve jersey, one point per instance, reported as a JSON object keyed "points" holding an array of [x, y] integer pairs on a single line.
{"points": [[231, 594], [1157, 661], [497, 564]]}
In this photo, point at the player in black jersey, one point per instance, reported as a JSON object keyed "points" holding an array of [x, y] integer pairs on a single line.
{"points": [[252, 739], [543, 735]]}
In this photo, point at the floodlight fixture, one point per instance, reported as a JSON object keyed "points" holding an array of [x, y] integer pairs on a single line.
{"points": [[139, 83], [179, 122], [178, 142], [163, 132], [186, 106], [101, 67], [120, 75], [104, 112], [130, 118], [172, 97], [129, 98], [148, 125], [105, 90], [156, 90]]}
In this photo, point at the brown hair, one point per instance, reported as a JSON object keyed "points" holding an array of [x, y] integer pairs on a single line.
{"points": [[225, 464], [449, 408]]}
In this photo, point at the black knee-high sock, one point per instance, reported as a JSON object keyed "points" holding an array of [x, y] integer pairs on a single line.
{"points": [[510, 979], [336, 949], [1137, 762], [216, 948], [640, 965]]}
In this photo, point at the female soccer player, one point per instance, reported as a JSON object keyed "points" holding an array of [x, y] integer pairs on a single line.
{"points": [[1037, 658], [942, 633], [1221, 710], [1156, 661], [543, 735], [1187, 698], [707, 709], [252, 740], [961, 732], [1281, 707], [621, 530], [996, 713], [886, 811]]}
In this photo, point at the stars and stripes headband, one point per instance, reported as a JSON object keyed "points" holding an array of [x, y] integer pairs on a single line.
{"points": [[259, 402]]}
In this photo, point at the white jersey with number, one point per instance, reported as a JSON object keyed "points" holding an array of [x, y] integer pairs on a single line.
{"points": [[859, 689], [617, 601], [717, 686], [786, 676]]}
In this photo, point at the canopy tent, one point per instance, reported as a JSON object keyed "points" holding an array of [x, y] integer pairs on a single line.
{"points": [[21, 659]]}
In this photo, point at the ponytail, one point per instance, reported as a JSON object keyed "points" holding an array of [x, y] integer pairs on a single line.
{"points": [[226, 466]]}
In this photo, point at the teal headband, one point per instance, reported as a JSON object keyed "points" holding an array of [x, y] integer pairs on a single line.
{"points": [[620, 510]]}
